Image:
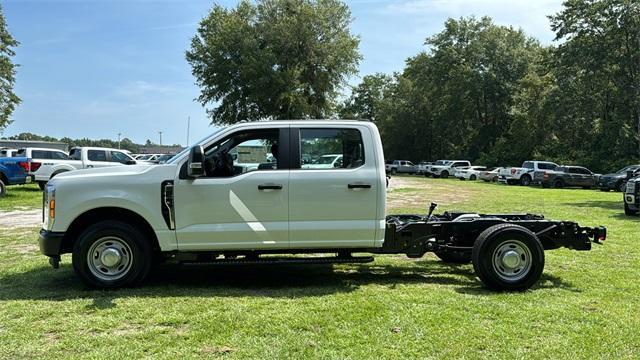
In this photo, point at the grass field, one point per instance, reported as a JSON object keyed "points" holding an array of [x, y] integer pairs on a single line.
{"points": [[586, 305]]}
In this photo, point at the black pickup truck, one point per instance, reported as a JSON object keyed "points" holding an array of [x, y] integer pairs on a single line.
{"points": [[569, 176], [618, 180]]}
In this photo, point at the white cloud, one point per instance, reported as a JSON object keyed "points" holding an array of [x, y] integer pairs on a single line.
{"points": [[141, 88]]}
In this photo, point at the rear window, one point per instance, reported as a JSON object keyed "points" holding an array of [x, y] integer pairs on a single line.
{"points": [[332, 148], [547, 166], [75, 154]]}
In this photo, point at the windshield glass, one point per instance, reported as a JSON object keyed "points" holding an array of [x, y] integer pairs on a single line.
{"points": [[628, 168], [186, 150]]}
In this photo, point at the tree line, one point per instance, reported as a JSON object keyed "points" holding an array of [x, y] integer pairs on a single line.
{"points": [[125, 143], [480, 91]]}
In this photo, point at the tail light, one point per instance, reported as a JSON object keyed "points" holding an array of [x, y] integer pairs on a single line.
{"points": [[545, 175], [513, 171], [35, 166], [24, 165]]}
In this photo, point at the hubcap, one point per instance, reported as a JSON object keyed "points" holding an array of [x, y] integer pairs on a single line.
{"points": [[512, 260], [109, 258]]}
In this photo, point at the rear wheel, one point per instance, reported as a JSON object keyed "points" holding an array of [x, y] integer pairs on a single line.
{"points": [[508, 257], [42, 184], [628, 211], [472, 177], [525, 180], [558, 184], [454, 257], [112, 254], [3, 189], [444, 174], [393, 171]]}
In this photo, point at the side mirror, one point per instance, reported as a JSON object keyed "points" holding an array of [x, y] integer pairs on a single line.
{"points": [[195, 164], [131, 162]]}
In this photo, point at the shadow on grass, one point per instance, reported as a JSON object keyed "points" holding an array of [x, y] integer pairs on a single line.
{"points": [[609, 205], [278, 281]]}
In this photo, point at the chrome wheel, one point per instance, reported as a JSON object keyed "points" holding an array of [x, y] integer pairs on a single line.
{"points": [[512, 260], [109, 258]]}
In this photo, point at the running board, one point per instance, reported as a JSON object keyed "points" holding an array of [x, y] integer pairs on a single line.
{"points": [[284, 261]]}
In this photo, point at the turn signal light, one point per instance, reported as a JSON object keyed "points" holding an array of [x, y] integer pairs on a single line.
{"points": [[52, 208]]}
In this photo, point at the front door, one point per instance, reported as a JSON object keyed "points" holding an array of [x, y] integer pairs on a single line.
{"points": [[333, 207], [243, 201]]}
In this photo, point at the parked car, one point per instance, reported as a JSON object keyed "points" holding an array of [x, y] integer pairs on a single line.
{"points": [[116, 222], [13, 171], [6, 152], [400, 167], [531, 172], [632, 197], [469, 172], [569, 176], [40, 156], [164, 158], [325, 162], [427, 170], [490, 174], [448, 168], [422, 167], [618, 180], [80, 158]]}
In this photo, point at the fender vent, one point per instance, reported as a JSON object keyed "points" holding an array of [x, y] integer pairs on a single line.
{"points": [[166, 201]]}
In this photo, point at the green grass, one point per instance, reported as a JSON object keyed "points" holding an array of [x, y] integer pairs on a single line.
{"points": [[585, 306], [21, 197]]}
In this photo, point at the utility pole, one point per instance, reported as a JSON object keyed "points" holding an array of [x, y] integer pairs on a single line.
{"points": [[188, 126], [160, 132], [119, 140]]}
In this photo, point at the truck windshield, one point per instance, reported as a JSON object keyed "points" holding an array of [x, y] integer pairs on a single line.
{"points": [[188, 148]]}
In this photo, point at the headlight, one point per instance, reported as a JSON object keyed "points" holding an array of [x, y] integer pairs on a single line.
{"points": [[631, 187]]}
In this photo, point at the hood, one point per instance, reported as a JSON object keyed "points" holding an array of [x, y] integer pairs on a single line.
{"points": [[613, 176], [106, 171]]}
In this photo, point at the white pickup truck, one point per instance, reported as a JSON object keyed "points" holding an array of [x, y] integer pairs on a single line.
{"points": [[79, 158], [531, 172], [198, 207], [448, 168]]}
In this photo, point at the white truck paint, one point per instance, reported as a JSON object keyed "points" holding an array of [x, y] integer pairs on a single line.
{"points": [[530, 172], [82, 158], [449, 168]]}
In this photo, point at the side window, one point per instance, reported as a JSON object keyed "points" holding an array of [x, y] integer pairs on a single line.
{"points": [[97, 155], [332, 148], [117, 156], [75, 154], [243, 152], [56, 155], [39, 154], [527, 165], [547, 166]]}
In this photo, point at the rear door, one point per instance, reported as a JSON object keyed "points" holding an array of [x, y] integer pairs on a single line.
{"points": [[97, 158], [333, 207]]}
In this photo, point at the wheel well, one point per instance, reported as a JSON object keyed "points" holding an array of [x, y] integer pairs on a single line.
{"points": [[58, 172], [3, 177], [107, 213]]}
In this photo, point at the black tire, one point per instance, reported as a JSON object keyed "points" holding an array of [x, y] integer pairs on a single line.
{"points": [[122, 236], [42, 184], [472, 177], [3, 189], [525, 180], [515, 240], [451, 257], [558, 184], [628, 211], [444, 174], [393, 171], [587, 187], [494, 179], [621, 187]]}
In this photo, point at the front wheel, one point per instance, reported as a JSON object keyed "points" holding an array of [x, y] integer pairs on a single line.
{"points": [[472, 177], [628, 211], [3, 189], [622, 186], [42, 184], [508, 257], [525, 180], [444, 174], [558, 184], [393, 171], [112, 254]]}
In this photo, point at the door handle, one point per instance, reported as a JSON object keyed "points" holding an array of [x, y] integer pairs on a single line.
{"points": [[270, 186], [89, 166], [359, 185]]}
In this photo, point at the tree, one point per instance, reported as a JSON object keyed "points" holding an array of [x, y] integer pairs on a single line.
{"points": [[8, 99], [273, 59], [366, 97]]}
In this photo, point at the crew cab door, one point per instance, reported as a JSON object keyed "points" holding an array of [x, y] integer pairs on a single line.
{"points": [[242, 202], [96, 158], [333, 207]]}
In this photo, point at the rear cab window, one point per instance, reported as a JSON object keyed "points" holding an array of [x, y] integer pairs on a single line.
{"points": [[332, 148], [97, 155]]}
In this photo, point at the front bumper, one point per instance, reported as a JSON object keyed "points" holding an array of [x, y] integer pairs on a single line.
{"points": [[51, 243]]}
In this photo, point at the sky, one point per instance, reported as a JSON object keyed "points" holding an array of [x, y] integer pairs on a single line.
{"points": [[96, 68]]}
